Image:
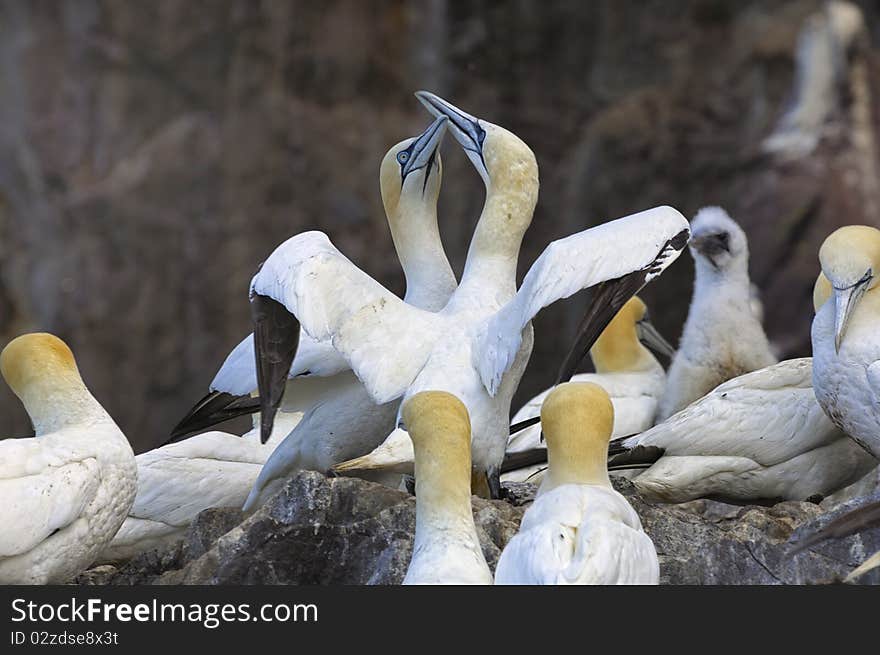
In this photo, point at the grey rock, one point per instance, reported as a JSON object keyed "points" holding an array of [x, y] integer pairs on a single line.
{"points": [[320, 530]]}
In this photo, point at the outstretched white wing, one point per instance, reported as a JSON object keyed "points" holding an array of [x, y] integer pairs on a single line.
{"points": [[646, 242], [238, 374], [768, 416], [382, 338]]}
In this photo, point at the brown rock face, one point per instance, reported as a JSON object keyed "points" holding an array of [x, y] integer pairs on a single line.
{"points": [[152, 154]]}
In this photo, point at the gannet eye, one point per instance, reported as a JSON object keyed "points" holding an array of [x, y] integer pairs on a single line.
{"points": [[403, 157]]}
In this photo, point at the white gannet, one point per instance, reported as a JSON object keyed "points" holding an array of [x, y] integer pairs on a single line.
{"points": [[722, 338], [625, 368], [760, 436], [67, 490], [845, 335], [821, 71], [476, 347], [579, 530], [179, 480], [409, 176], [340, 419], [446, 548]]}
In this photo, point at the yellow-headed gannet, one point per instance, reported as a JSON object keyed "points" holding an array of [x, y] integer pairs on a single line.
{"points": [[579, 530], [625, 368], [67, 490], [477, 347], [722, 337], [410, 176], [845, 334], [446, 548], [342, 421]]}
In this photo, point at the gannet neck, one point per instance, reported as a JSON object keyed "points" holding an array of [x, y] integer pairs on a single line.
{"points": [[511, 196], [416, 235], [410, 201], [577, 419], [439, 426], [618, 348], [42, 372]]}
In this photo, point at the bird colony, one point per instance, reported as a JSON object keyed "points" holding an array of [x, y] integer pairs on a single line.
{"points": [[344, 377]]}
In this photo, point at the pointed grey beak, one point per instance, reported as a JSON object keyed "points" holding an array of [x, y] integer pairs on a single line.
{"points": [[845, 301], [424, 149], [464, 127], [651, 338]]}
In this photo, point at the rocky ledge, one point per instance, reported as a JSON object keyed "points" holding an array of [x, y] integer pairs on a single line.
{"points": [[320, 530]]}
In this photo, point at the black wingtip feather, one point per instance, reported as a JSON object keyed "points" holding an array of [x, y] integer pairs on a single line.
{"points": [[276, 338]]}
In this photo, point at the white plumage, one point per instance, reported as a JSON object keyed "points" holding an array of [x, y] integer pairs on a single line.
{"points": [[68, 489], [628, 372], [722, 336], [340, 419], [578, 530], [579, 534], [759, 436], [468, 347], [846, 341], [179, 480]]}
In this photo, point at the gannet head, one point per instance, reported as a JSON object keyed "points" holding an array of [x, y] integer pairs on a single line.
{"points": [[411, 171], [718, 243], [41, 370], [850, 259], [501, 158], [440, 428], [577, 419], [621, 346], [822, 291]]}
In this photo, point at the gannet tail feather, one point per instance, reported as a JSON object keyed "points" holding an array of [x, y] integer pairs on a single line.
{"points": [[216, 407], [636, 456], [522, 459], [522, 425]]}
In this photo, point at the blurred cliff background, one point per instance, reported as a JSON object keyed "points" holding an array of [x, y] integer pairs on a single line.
{"points": [[152, 154]]}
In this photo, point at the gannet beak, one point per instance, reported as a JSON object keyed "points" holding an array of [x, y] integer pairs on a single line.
{"points": [[845, 301], [651, 338], [464, 127], [423, 150], [711, 245], [276, 338]]}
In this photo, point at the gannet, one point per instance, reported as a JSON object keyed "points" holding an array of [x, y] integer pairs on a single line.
{"points": [[446, 548], [846, 341], [625, 368], [340, 419], [579, 530], [476, 347], [179, 480], [760, 436], [410, 176], [68, 489], [722, 338]]}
